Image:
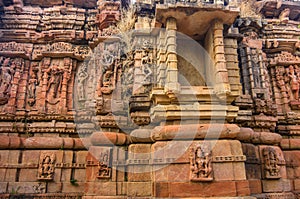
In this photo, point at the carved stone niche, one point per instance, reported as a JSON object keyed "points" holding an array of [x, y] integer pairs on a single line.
{"points": [[287, 79], [46, 166], [201, 164], [8, 67], [271, 163], [104, 169]]}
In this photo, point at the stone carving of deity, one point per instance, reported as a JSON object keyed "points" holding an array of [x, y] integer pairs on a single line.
{"points": [[6, 75], [271, 161], [82, 76], [32, 83], [294, 83], [46, 167], [200, 164], [55, 80]]}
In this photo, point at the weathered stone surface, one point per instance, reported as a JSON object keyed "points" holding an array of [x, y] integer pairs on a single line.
{"points": [[156, 114], [199, 131]]}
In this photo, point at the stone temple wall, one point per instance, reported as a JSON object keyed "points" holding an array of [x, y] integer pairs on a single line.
{"points": [[169, 99]]}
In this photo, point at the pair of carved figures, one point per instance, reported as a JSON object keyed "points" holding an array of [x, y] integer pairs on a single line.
{"points": [[288, 80], [54, 76]]}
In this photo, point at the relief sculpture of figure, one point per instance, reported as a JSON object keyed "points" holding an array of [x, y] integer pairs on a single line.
{"points": [[271, 163], [147, 62], [82, 76], [32, 83], [46, 167], [5, 81], [200, 163], [281, 81], [108, 56], [294, 83], [55, 81]]}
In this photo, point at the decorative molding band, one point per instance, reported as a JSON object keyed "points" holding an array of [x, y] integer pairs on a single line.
{"points": [[233, 158]]}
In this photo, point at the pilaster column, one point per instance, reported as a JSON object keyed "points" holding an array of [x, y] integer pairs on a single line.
{"points": [[222, 86], [172, 86]]}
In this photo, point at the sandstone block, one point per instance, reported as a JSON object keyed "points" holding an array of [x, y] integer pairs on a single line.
{"points": [[53, 187], [3, 187], [139, 189], [276, 185], [255, 186], [225, 188]]}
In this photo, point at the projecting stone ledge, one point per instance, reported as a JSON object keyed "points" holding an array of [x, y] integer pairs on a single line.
{"points": [[195, 20]]}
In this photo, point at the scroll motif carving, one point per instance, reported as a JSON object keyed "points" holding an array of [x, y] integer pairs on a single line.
{"points": [[200, 164], [104, 170], [46, 166], [271, 163]]}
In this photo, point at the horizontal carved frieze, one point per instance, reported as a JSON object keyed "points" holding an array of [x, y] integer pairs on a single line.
{"points": [[35, 166], [16, 49], [215, 159], [60, 49], [233, 158], [275, 196], [42, 196]]}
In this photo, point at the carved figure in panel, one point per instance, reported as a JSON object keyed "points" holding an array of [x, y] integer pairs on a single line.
{"points": [[32, 83], [255, 69], [109, 55], [271, 163], [109, 61], [293, 82], [128, 76], [104, 170], [280, 80], [46, 167], [6, 76], [200, 164], [82, 76], [147, 62], [55, 76]]}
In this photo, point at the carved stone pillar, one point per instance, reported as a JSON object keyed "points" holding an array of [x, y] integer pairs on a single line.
{"points": [[66, 76], [222, 86], [21, 102], [42, 101], [172, 86], [18, 67]]}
